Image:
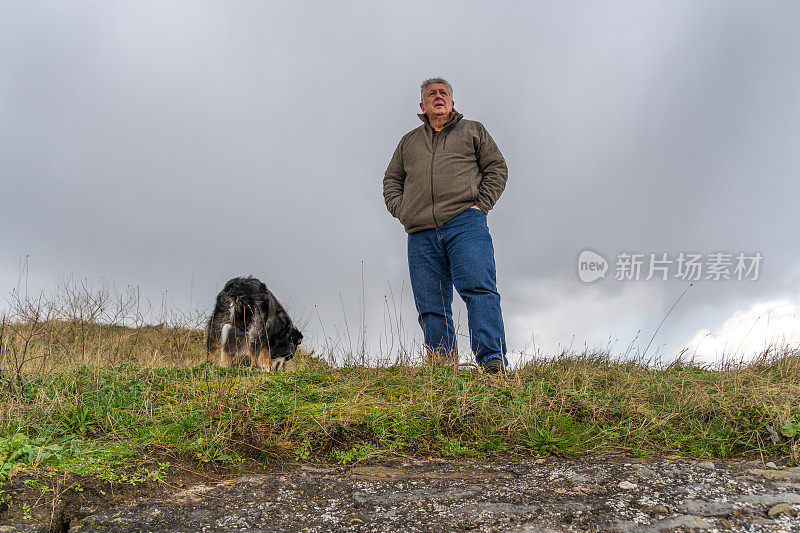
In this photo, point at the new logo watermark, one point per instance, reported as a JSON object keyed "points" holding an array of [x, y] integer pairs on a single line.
{"points": [[591, 266], [685, 266]]}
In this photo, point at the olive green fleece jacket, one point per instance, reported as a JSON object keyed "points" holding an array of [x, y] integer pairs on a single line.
{"points": [[432, 179]]}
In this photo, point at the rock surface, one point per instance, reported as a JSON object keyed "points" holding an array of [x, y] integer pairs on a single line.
{"points": [[554, 494]]}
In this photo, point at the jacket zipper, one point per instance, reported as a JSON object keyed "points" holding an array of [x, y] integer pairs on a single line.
{"points": [[433, 155], [434, 143]]}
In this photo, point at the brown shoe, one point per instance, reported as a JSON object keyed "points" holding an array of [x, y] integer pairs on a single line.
{"points": [[494, 366]]}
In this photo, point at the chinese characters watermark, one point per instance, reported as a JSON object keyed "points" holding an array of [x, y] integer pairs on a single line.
{"points": [[684, 266]]}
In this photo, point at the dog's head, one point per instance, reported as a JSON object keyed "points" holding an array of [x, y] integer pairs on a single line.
{"points": [[284, 346]]}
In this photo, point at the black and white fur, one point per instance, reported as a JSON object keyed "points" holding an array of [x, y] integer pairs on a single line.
{"points": [[247, 318]]}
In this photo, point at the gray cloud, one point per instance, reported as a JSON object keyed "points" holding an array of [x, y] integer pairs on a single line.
{"points": [[170, 146]]}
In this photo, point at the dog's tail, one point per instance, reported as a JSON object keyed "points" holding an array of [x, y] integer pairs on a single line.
{"points": [[241, 314], [223, 340], [235, 308], [235, 303]]}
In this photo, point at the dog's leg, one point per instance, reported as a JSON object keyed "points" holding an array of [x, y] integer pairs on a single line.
{"points": [[212, 343], [224, 355], [224, 358], [263, 359], [211, 347], [210, 353], [277, 363], [253, 357]]}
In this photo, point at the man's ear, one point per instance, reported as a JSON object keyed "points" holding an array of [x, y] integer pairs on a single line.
{"points": [[422, 107]]}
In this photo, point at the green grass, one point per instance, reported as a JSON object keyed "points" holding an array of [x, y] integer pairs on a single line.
{"points": [[93, 417]]}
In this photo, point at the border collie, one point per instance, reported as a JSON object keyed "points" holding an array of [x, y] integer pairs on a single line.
{"points": [[247, 318]]}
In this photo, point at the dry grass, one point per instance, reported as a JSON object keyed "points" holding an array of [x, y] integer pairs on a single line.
{"points": [[78, 325]]}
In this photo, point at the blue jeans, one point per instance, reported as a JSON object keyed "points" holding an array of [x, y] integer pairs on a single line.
{"points": [[459, 253]]}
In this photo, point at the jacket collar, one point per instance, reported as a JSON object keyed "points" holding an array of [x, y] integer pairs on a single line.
{"points": [[456, 117]]}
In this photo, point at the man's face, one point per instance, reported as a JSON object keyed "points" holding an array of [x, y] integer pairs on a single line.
{"points": [[438, 101]]}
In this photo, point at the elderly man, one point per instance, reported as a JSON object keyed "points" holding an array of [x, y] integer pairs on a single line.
{"points": [[443, 179]]}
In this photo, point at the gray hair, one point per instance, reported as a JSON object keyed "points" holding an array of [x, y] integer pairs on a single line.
{"points": [[432, 81]]}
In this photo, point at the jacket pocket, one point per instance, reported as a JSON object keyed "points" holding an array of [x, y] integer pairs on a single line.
{"points": [[401, 207]]}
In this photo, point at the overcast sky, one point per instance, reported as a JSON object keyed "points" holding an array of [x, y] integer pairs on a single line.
{"points": [[174, 145]]}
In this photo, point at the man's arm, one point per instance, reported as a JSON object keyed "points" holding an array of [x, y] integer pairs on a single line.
{"points": [[494, 170], [393, 182]]}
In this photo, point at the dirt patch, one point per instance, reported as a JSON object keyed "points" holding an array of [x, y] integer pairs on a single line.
{"points": [[51, 501], [553, 494]]}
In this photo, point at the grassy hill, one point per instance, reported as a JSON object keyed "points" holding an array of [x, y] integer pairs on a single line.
{"points": [[86, 390]]}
